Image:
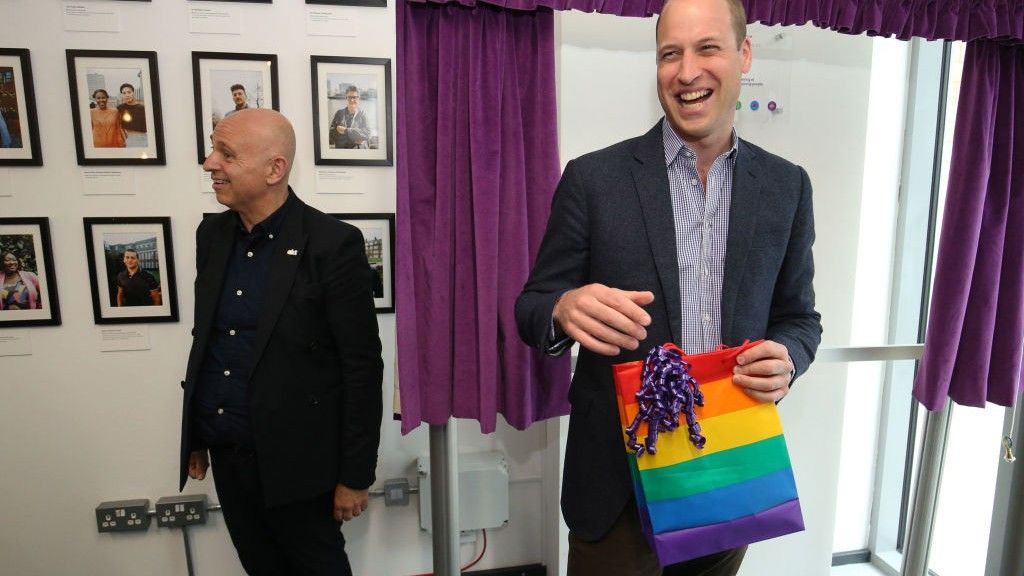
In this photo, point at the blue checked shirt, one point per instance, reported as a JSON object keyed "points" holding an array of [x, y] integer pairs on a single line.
{"points": [[702, 226]]}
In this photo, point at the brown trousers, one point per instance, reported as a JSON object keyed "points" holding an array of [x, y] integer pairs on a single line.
{"points": [[624, 552]]}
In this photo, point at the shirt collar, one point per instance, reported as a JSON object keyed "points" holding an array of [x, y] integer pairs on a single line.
{"points": [[271, 225], [674, 143]]}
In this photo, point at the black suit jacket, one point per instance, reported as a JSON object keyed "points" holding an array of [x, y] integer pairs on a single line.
{"points": [[315, 388], [612, 223]]}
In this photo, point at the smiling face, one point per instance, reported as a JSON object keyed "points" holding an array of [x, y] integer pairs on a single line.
{"points": [[101, 98], [10, 263], [128, 94], [352, 100], [700, 62], [131, 260], [250, 159]]}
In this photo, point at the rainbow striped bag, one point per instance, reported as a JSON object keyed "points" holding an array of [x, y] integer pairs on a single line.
{"points": [[718, 475]]}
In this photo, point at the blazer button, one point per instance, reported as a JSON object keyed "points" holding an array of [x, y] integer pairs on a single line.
{"points": [[313, 401]]}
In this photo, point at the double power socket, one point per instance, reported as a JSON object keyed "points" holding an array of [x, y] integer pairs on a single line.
{"points": [[135, 515]]}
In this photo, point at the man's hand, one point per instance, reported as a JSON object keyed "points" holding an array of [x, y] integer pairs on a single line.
{"points": [[340, 129], [764, 371], [603, 320], [349, 503], [198, 462]]}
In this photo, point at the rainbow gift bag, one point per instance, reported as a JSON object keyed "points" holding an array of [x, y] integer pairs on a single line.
{"points": [[715, 474]]}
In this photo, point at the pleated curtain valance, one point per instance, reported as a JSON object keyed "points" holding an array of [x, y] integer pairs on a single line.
{"points": [[963, 20], [638, 8]]}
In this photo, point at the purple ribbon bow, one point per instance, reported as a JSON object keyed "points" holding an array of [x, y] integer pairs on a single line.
{"points": [[667, 389]]}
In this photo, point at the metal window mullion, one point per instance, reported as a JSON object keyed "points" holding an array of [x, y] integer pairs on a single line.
{"points": [[1006, 536], [929, 477]]}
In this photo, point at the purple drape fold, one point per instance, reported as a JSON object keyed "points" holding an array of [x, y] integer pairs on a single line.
{"points": [[975, 339], [477, 163], [904, 19], [641, 8]]}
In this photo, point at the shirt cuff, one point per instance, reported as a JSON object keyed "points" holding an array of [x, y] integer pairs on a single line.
{"points": [[556, 346]]}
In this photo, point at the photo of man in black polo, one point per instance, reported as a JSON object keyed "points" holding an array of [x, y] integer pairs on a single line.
{"points": [[135, 286]]}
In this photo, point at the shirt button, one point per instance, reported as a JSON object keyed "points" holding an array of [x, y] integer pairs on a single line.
{"points": [[231, 332], [694, 182], [220, 410], [238, 292], [249, 254], [271, 236], [227, 372], [707, 317]]}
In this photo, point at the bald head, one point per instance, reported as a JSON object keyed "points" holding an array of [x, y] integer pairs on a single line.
{"points": [[250, 161], [268, 130]]}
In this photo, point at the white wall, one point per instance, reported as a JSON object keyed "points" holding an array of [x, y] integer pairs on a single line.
{"points": [[79, 426], [607, 91]]}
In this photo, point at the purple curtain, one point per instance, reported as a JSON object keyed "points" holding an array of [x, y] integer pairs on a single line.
{"points": [[642, 8], [975, 333], [975, 338], [932, 19], [477, 165]]}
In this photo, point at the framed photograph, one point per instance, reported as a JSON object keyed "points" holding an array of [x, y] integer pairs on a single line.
{"points": [[131, 270], [352, 110], [225, 82], [19, 126], [115, 106], [379, 234], [372, 3], [28, 294]]}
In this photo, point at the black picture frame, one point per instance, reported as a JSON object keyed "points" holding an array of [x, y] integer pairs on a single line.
{"points": [[216, 73], [96, 142], [378, 229], [19, 124], [332, 77], [368, 3], [27, 240], [107, 241]]}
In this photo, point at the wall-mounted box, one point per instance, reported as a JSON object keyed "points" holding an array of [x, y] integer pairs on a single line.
{"points": [[483, 491]]}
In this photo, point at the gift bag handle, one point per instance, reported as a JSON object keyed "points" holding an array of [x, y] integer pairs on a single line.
{"points": [[671, 346]]}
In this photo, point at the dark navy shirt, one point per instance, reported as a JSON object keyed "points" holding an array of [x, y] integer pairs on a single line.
{"points": [[221, 403]]}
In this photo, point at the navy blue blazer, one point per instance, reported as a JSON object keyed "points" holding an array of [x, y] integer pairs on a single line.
{"points": [[611, 222], [315, 389]]}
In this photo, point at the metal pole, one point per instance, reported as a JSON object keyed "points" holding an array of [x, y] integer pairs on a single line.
{"points": [[929, 478], [188, 551], [444, 502], [1006, 536]]}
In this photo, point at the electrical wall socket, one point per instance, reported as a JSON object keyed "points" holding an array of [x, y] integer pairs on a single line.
{"points": [[183, 510], [123, 515]]}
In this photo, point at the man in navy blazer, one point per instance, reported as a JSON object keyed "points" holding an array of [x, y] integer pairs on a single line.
{"points": [[283, 384], [686, 234]]}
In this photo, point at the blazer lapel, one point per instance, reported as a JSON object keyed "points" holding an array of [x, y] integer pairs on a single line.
{"points": [[651, 180], [211, 276], [288, 252], [747, 203]]}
